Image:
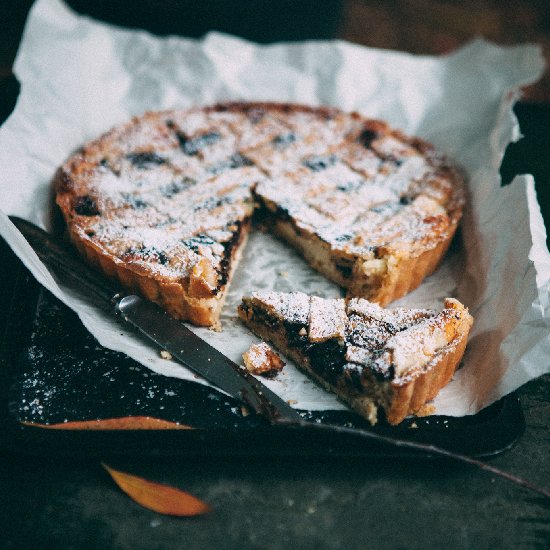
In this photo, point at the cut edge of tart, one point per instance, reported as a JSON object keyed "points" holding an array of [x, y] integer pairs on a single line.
{"points": [[371, 358], [383, 276]]}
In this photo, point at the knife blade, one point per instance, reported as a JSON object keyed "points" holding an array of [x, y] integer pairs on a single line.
{"points": [[153, 322]]}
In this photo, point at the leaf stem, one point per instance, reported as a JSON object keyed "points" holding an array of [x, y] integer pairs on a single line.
{"points": [[420, 447]]}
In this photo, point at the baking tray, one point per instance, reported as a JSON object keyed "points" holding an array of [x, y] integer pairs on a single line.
{"points": [[53, 370]]}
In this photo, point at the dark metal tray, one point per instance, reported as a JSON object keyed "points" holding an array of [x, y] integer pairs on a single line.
{"points": [[52, 370]]}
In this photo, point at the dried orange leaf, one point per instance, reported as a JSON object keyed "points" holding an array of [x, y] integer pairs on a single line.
{"points": [[157, 496], [124, 423]]}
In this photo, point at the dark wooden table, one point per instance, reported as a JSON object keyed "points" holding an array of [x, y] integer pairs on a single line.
{"points": [[299, 503]]}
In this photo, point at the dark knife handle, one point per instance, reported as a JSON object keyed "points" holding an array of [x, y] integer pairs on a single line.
{"points": [[62, 260]]}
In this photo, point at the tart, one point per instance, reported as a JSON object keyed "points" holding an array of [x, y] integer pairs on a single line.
{"points": [[164, 202], [372, 358]]}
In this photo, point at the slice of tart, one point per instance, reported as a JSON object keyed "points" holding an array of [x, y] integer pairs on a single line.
{"points": [[163, 203], [372, 358]]}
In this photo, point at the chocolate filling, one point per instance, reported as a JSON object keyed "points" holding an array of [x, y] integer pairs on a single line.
{"points": [[192, 146], [136, 253], [282, 140], [228, 247], [367, 137], [213, 202], [193, 243], [86, 206], [176, 187], [345, 268], [318, 163], [144, 161], [327, 359], [350, 186], [234, 161], [134, 202]]}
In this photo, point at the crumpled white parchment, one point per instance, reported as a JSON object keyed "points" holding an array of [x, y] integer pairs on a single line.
{"points": [[80, 77]]}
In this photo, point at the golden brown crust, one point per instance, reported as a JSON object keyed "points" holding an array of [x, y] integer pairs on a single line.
{"points": [[410, 397], [181, 302], [406, 273], [197, 173]]}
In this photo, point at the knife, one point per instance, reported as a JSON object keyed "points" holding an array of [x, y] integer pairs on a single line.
{"points": [[153, 322]]}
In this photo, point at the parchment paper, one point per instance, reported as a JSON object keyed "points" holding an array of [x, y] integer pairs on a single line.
{"points": [[80, 77]]}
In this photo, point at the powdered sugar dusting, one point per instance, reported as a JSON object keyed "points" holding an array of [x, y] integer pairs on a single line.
{"points": [[415, 346], [327, 319], [166, 189], [398, 317], [392, 342], [292, 307]]}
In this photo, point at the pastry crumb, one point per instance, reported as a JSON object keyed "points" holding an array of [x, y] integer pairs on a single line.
{"points": [[261, 359], [413, 425], [371, 413], [165, 354], [216, 326], [426, 410]]}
